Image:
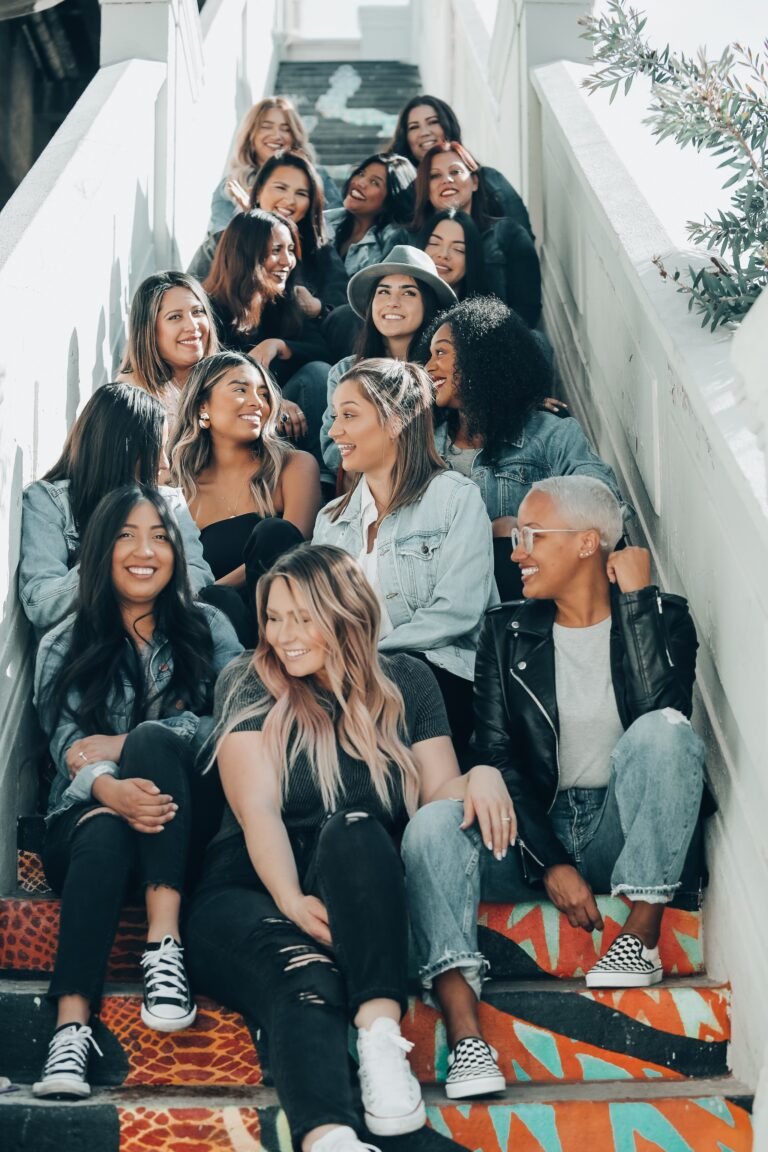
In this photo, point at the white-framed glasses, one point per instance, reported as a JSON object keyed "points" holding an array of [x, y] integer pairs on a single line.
{"points": [[525, 536]]}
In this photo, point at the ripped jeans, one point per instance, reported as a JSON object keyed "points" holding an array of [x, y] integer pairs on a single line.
{"points": [[631, 838], [244, 952]]}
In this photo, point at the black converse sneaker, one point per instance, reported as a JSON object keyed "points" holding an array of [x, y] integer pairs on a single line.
{"points": [[64, 1074], [626, 964], [472, 1070], [168, 1005]]}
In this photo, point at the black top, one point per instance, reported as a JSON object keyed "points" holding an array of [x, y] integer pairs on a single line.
{"points": [[306, 345], [224, 542], [303, 809]]}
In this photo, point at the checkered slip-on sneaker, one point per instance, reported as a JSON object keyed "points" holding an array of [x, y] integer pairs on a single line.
{"points": [[472, 1070], [626, 964]]}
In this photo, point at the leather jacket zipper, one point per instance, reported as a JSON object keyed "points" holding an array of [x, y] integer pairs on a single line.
{"points": [[664, 630], [548, 719], [532, 854]]}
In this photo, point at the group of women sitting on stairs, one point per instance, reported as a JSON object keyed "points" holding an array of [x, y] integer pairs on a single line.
{"points": [[285, 706]]}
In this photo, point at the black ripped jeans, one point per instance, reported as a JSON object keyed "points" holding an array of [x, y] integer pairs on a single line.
{"points": [[92, 864], [245, 953]]}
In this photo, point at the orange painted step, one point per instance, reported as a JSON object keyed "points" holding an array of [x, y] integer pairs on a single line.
{"points": [[544, 1033], [711, 1116], [520, 940]]}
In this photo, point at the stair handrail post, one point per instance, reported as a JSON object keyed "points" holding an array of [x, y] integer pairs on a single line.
{"points": [[168, 31]]}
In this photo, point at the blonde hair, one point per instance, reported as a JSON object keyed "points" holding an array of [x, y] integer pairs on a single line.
{"points": [[191, 450], [244, 163], [402, 394], [142, 359], [344, 608]]}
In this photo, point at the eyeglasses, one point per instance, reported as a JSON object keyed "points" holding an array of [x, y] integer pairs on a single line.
{"points": [[525, 536]]}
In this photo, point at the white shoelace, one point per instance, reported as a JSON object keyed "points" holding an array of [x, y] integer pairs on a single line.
{"points": [[164, 975], [68, 1051], [386, 1064]]}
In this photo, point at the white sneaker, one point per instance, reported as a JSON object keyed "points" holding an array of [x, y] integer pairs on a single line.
{"points": [[626, 964], [391, 1093], [341, 1140], [65, 1072]]}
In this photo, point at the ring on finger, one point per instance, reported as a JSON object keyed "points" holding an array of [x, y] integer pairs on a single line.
{"points": [[83, 756], [506, 819]]}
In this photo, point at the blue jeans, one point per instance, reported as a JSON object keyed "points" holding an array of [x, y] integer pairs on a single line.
{"points": [[631, 838]]}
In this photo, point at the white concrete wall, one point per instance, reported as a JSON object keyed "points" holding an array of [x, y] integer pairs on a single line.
{"points": [[75, 233], [481, 68], [123, 189], [664, 404]]}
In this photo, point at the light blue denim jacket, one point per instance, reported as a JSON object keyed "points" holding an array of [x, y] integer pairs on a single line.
{"points": [[549, 445], [374, 247], [63, 730], [435, 568], [48, 575]]}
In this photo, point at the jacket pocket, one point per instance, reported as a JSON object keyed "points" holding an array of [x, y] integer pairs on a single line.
{"points": [[418, 556], [510, 484]]}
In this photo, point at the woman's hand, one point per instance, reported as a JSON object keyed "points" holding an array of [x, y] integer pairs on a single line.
{"points": [[571, 895], [291, 421], [558, 407], [630, 568], [309, 304], [238, 195], [488, 801], [268, 350], [309, 914], [90, 749], [139, 802]]}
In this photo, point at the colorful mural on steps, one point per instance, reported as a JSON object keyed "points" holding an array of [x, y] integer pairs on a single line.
{"points": [[697, 1124], [543, 1036], [521, 941]]}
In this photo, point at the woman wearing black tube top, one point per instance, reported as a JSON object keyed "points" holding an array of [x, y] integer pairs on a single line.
{"points": [[252, 495]]}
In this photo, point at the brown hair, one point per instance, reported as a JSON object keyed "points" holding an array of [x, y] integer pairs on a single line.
{"points": [[402, 394], [237, 273], [142, 359], [424, 209]]}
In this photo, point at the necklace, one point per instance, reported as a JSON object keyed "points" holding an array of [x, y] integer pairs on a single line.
{"points": [[233, 511]]}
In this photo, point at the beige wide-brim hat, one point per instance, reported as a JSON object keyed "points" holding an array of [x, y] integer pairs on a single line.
{"points": [[406, 260]]}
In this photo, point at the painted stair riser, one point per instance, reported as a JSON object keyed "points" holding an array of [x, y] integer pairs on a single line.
{"points": [[542, 1036], [709, 1124], [521, 941]]}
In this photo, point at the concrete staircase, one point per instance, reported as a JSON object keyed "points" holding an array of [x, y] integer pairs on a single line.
{"points": [[631, 1071], [350, 109]]}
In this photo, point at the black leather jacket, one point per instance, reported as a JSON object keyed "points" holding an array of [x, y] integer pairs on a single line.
{"points": [[653, 661]]}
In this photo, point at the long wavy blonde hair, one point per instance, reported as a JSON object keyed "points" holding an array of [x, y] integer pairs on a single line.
{"points": [[192, 448], [344, 609], [244, 163]]}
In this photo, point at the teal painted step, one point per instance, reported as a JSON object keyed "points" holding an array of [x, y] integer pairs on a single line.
{"points": [[707, 1116]]}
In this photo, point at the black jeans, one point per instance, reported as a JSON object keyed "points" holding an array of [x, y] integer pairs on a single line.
{"points": [[92, 863], [244, 952], [267, 542]]}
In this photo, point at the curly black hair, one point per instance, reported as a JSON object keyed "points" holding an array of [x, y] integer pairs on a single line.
{"points": [[501, 370]]}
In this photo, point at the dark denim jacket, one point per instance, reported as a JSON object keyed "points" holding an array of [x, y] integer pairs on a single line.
{"points": [[549, 445]]}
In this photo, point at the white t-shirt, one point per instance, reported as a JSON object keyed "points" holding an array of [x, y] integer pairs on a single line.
{"points": [[590, 726], [369, 561]]}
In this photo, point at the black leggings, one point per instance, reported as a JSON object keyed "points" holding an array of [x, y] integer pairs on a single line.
{"points": [[245, 953], [91, 863]]}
